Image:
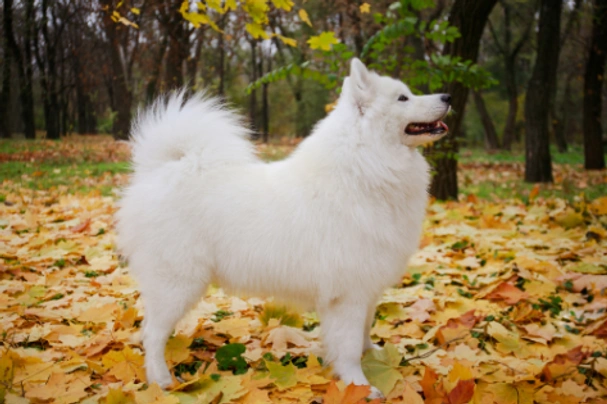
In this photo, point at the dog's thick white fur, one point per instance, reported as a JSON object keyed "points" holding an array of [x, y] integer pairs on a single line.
{"points": [[331, 226]]}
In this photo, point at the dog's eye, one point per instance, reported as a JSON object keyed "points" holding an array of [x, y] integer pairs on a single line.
{"points": [[403, 98]]}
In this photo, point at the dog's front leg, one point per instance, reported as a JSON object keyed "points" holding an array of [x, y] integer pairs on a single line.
{"points": [[343, 328]]}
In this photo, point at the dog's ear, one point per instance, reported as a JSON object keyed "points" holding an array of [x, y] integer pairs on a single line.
{"points": [[359, 75], [359, 82]]}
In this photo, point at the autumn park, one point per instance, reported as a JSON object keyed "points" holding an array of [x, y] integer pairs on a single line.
{"points": [[503, 300]]}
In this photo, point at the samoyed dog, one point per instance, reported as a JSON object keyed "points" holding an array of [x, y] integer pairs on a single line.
{"points": [[331, 226]]}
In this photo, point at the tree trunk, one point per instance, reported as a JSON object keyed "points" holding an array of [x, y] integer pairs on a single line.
{"points": [[120, 87], [594, 157], [265, 103], [5, 95], [26, 88], [510, 128], [538, 165], [222, 56], [564, 110], [24, 65], [253, 96], [178, 47], [470, 17], [82, 105], [491, 140], [510, 79], [151, 89]]}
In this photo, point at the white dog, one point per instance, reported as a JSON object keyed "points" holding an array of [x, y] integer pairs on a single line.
{"points": [[331, 226]]}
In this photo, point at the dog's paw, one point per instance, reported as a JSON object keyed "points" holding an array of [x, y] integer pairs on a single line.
{"points": [[163, 379]]}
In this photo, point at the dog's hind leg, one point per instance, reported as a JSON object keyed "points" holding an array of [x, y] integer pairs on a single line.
{"points": [[343, 327], [165, 303]]}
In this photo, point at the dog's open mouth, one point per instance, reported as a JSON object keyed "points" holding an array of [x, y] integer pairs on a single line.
{"points": [[431, 128]]}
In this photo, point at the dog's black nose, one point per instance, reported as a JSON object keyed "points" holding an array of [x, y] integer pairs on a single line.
{"points": [[446, 98]]}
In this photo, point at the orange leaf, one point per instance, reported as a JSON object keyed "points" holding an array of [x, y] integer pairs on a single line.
{"points": [[433, 390], [82, 226], [456, 327], [508, 293], [462, 393], [564, 363], [352, 394], [535, 191]]}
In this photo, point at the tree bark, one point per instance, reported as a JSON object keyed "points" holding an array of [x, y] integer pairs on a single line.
{"points": [[24, 65], [5, 95], [265, 104], [491, 140], [594, 157], [120, 87], [538, 164], [151, 89], [178, 46], [253, 96], [470, 17], [47, 63]]}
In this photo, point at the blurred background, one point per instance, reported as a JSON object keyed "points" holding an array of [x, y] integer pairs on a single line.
{"points": [[86, 66]]}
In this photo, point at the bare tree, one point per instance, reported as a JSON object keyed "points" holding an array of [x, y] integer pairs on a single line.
{"points": [[510, 52], [22, 55], [470, 17], [538, 164], [5, 94], [122, 48], [594, 157], [491, 140]]}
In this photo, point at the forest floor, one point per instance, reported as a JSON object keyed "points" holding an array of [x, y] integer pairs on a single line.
{"points": [[506, 301]]}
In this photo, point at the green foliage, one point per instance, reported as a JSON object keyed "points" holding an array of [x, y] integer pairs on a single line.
{"points": [[386, 52], [302, 70], [229, 357]]}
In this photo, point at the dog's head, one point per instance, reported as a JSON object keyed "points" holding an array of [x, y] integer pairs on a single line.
{"points": [[389, 103]]}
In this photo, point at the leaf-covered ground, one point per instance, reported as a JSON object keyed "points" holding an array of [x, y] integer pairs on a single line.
{"points": [[504, 303]]}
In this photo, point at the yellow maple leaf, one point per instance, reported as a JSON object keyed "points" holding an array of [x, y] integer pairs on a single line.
{"points": [[599, 206], [125, 365], [257, 10], [116, 396], [215, 5], [286, 5], [323, 41], [177, 349], [155, 395], [256, 30], [460, 372], [62, 388], [235, 327], [230, 5], [365, 8], [284, 376], [303, 15], [287, 41]]}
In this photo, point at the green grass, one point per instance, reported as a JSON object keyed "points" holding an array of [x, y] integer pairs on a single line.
{"points": [[40, 176], [491, 190], [573, 156], [83, 169]]}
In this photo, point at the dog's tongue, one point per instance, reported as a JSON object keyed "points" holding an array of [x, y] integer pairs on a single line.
{"points": [[444, 125]]}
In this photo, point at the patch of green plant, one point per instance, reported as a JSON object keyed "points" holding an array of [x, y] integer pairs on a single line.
{"points": [[190, 368], [229, 357]]}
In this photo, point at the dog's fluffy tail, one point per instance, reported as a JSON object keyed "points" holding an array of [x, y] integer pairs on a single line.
{"points": [[199, 126]]}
